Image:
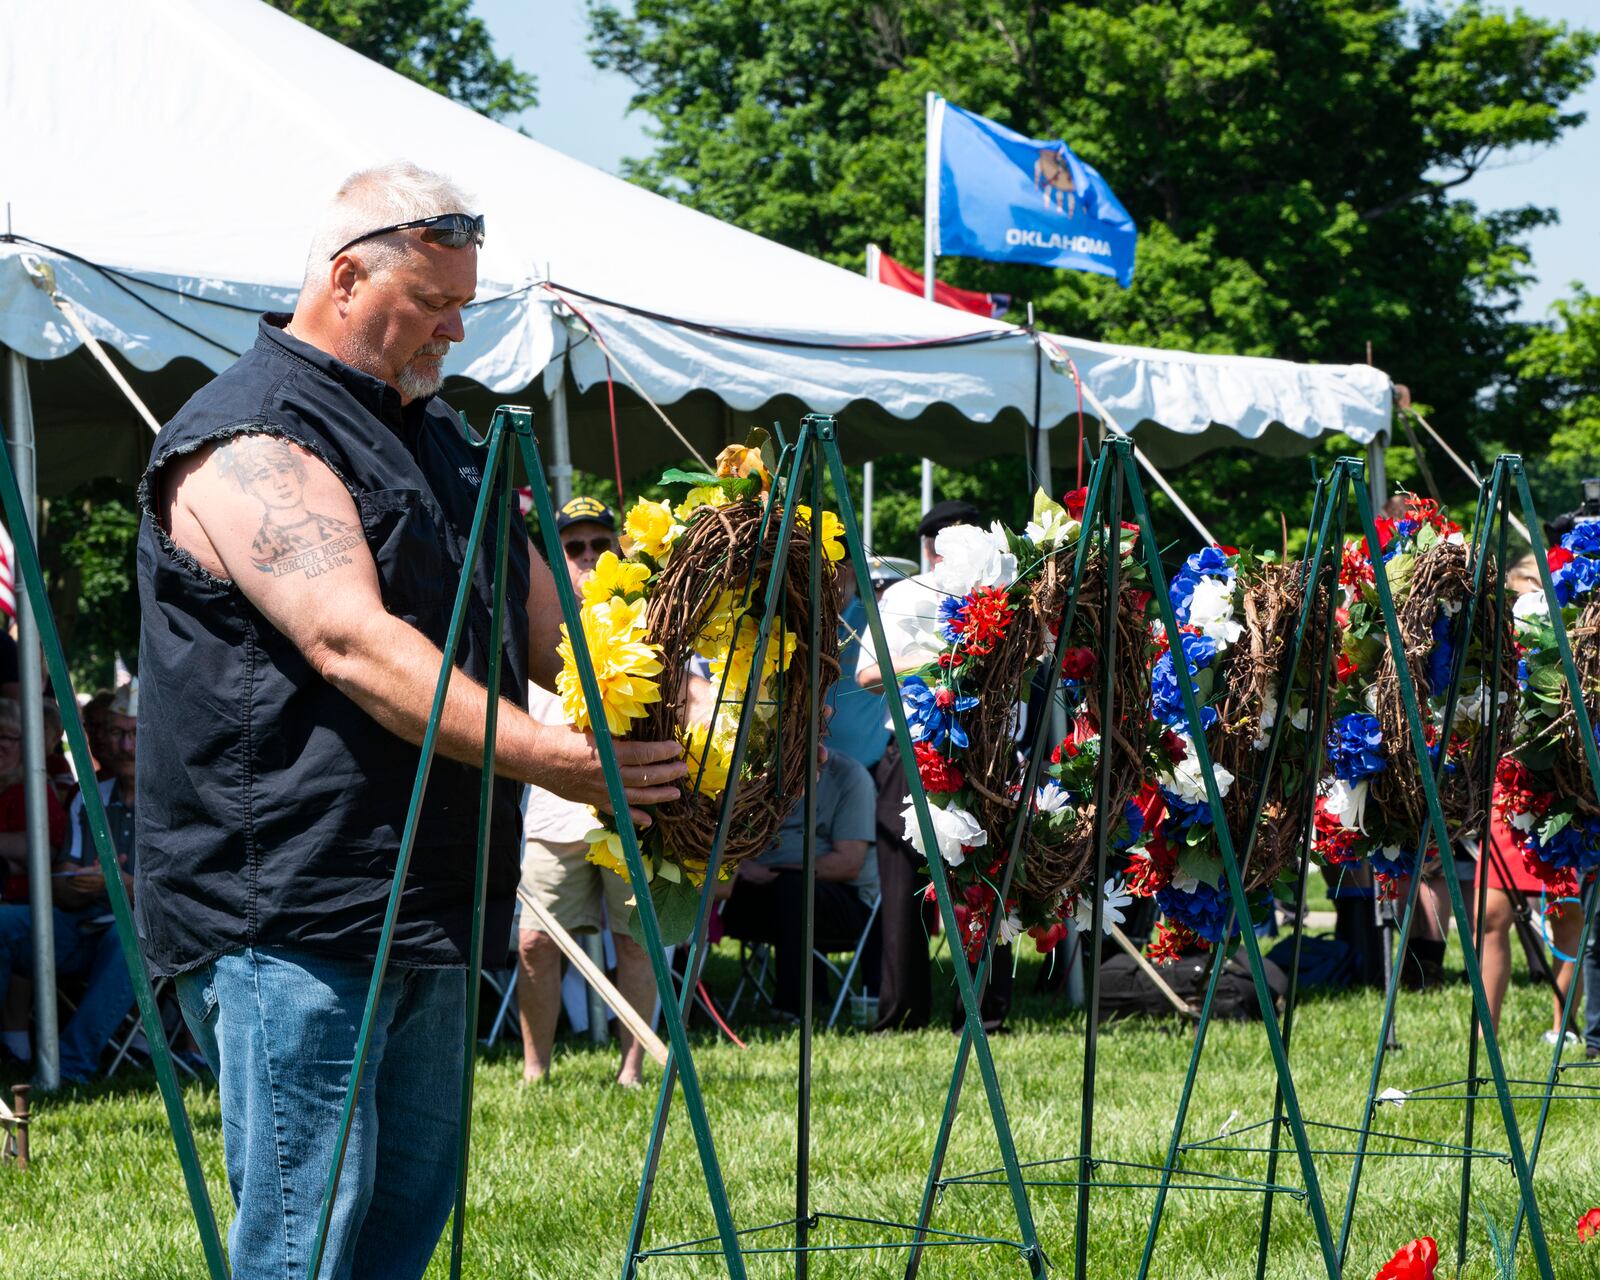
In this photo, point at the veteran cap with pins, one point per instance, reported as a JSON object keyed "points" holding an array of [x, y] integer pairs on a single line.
{"points": [[584, 510]]}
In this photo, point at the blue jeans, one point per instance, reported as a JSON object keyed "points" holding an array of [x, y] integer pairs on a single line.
{"points": [[279, 1028], [82, 946]]}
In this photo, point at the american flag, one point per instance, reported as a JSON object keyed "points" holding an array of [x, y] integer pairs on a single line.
{"points": [[8, 557]]}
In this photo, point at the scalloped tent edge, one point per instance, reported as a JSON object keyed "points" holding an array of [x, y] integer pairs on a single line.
{"points": [[172, 194]]}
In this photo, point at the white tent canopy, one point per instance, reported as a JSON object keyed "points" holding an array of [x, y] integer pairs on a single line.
{"points": [[168, 159]]}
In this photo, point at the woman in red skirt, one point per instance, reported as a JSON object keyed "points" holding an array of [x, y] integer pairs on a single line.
{"points": [[1508, 877]]}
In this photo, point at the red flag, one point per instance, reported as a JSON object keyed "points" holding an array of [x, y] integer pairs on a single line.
{"points": [[885, 270]]}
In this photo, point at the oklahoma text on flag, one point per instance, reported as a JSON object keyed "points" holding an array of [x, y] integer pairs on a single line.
{"points": [[1014, 199]]}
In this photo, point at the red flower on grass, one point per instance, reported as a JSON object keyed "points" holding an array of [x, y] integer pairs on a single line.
{"points": [[1589, 1225], [1415, 1261]]}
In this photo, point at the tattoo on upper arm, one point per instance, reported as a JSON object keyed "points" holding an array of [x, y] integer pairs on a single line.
{"points": [[292, 538]]}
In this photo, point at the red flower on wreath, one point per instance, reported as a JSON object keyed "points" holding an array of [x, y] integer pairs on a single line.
{"points": [[1075, 502], [1589, 1225], [1415, 1261], [1344, 669], [984, 617], [1047, 938], [1172, 940], [1078, 663], [1558, 558], [1355, 569], [939, 776]]}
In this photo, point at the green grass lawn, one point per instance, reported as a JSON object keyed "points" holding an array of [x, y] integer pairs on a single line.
{"points": [[555, 1167]]}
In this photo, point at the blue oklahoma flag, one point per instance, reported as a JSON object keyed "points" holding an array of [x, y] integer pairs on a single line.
{"points": [[1014, 199]]}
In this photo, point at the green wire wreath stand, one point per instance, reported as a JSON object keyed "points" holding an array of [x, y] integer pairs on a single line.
{"points": [[1490, 528], [1113, 478], [803, 462]]}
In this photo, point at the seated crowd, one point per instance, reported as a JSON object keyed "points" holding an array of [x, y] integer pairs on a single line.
{"points": [[90, 973]]}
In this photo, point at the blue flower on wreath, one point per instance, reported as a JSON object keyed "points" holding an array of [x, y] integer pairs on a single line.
{"points": [[1166, 698], [1182, 814], [1441, 656], [1355, 747], [1401, 865], [1575, 578], [952, 615], [1203, 909], [1575, 846], [1133, 815], [1583, 539], [1209, 562], [931, 713]]}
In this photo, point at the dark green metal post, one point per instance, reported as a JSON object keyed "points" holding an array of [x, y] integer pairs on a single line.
{"points": [[1585, 731], [194, 1178], [789, 469], [1487, 501], [1441, 834], [677, 1034], [808, 880], [1326, 513], [1486, 780], [1035, 766], [1314, 752], [1032, 1253], [1231, 872], [408, 836], [1104, 824], [498, 482]]}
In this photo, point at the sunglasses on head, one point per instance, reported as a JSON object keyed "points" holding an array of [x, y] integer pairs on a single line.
{"points": [[577, 546], [452, 230]]}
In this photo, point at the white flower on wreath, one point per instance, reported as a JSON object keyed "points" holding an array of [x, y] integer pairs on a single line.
{"points": [[1347, 802], [1211, 610], [1521, 821], [1050, 528], [1188, 783], [1530, 607], [1269, 717], [1050, 798], [953, 828], [1116, 897], [970, 557], [1010, 928]]}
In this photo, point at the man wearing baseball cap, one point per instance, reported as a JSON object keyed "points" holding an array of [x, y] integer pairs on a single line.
{"points": [[556, 872]]}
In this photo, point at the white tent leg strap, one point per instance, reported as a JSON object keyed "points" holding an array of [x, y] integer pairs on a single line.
{"points": [[632, 381], [44, 279], [1461, 462], [1099, 407]]}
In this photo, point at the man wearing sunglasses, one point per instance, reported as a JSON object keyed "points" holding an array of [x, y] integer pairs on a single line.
{"points": [[303, 536]]}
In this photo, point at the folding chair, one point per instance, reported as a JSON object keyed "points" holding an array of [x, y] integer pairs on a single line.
{"points": [[130, 1030], [847, 977]]}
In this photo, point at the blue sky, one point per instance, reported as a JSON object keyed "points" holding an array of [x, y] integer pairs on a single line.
{"points": [[584, 113]]}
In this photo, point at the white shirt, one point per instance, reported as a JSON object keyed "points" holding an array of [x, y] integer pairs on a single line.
{"points": [[548, 817]]}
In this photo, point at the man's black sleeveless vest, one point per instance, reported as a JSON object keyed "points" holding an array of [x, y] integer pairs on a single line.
{"points": [[270, 806]]}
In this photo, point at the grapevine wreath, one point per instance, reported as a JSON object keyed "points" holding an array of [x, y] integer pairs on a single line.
{"points": [[691, 584]]}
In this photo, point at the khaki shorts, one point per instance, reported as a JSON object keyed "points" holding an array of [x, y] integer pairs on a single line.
{"points": [[558, 877]]}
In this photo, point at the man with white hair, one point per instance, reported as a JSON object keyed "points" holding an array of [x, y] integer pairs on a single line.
{"points": [[303, 533]]}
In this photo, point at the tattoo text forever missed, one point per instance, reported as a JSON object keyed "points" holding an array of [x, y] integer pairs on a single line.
{"points": [[292, 538]]}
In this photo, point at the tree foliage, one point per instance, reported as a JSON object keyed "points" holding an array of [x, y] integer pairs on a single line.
{"points": [[437, 43], [1292, 166], [88, 540]]}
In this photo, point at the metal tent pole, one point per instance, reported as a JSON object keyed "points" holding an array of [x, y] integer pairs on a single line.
{"points": [[47, 1044], [560, 442], [867, 479]]}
